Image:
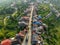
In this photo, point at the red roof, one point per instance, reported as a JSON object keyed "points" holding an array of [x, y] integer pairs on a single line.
{"points": [[6, 42]]}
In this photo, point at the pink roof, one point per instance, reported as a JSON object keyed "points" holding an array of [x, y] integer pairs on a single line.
{"points": [[21, 34]]}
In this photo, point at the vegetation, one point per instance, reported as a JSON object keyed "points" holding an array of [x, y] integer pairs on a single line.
{"points": [[9, 17], [44, 9], [51, 37]]}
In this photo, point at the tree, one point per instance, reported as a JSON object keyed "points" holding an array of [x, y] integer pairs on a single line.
{"points": [[10, 22]]}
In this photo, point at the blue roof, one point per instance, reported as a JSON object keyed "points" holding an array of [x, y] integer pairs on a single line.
{"points": [[37, 23], [39, 17]]}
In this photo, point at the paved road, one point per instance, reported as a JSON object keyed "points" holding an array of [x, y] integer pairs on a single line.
{"points": [[29, 32], [54, 10], [30, 22]]}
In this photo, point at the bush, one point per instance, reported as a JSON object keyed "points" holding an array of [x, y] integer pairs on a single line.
{"points": [[1, 35], [11, 34]]}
